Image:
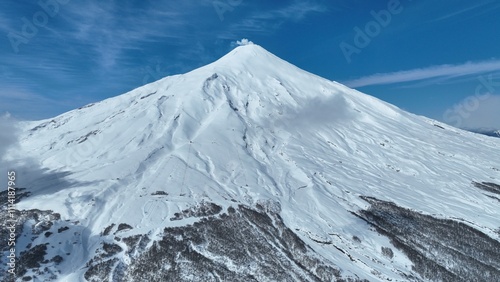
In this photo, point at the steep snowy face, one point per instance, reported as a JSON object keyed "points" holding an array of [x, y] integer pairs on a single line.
{"points": [[253, 129], [249, 86], [216, 130]]}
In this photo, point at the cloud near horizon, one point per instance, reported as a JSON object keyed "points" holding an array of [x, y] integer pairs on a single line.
{"points": [[441, 71], [475, 112]]}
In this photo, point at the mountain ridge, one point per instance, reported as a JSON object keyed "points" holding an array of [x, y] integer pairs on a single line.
{"points": [[486, 131], [249, 130]]}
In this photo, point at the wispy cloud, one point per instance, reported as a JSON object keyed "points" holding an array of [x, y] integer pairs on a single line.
{"points": [[110, 29], [441, 71], [104, 43], [474, 7], [296, 11], [268, 21]]}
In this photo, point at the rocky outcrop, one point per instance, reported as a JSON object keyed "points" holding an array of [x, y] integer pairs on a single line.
{"points": [[441, 249]]}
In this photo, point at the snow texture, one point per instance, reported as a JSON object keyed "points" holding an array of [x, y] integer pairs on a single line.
{"points": [[247, 129]]}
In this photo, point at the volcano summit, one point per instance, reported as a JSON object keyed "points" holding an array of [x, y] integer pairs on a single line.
{"points": [[251, 169]]}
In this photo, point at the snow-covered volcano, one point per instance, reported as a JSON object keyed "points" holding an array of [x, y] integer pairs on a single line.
{"points": [[308, 164]]}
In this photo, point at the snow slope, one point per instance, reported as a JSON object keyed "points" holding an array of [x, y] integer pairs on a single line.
{"points": [[249, 128]]}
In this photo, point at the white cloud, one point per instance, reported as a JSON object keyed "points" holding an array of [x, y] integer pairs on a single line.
{"points": [[109, 33], [244, 42], [91, 41], [8, 134], [318, 111], [295, 11], [99, 49], [475, 112], [8, 139], [268, 21], [28, 170], [441, 71]]}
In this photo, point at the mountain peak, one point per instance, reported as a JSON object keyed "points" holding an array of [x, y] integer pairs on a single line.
{"points": [[249, 50], [252, 145], [252, 58]]}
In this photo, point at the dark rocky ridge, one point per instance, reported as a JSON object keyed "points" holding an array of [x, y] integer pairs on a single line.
{"points": [[441, 249], [488, 186], [31, 257], [244, 244]]}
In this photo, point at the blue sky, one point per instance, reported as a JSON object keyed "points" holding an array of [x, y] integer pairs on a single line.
{"points": [[440, 59]]}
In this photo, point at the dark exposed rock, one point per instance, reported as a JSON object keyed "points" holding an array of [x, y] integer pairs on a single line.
{"points": [[488, 186], [123, 227], [441, 249], [387, 252], [85, 137], [33, 257], [57, 259], [20, 194], [209, 80], [244, 244], [35, 223], [100, 272], [132, 240], [159, 193], [87, 106], [201, 210], [108, 229], [148, 95], [62, 229], [42, 221], [111, 249]]}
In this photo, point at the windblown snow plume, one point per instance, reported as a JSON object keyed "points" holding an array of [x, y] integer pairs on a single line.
{"points": [[244, 42]]}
